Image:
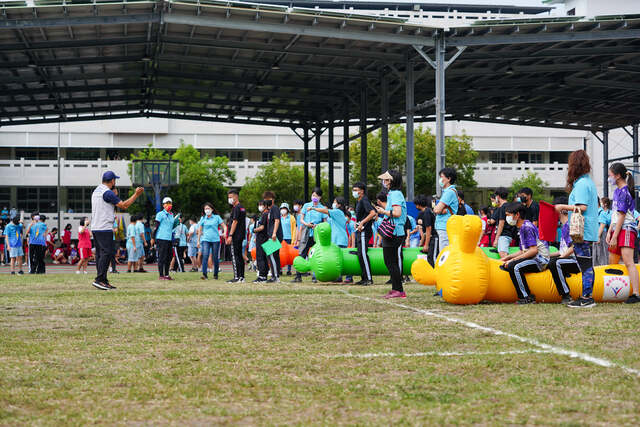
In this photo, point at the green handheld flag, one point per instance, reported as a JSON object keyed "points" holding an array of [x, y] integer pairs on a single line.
{"points": [[270, 246]]}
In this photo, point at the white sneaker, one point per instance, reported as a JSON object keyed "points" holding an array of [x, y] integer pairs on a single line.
{"points": [[77, 271], [85, 272], [56, 262]]}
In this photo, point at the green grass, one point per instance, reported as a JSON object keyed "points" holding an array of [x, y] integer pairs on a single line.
{"points": [[193, 352]]}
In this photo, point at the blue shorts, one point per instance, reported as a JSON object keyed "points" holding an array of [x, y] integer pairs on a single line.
{"points": [[503, 243], [132, 254], [140, 251], [192, 251], [16, 252]]}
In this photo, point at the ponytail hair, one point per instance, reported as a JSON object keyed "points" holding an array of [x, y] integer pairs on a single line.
{"points": [[621, 170]]}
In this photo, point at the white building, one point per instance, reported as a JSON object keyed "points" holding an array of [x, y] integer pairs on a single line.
{"points": [[591, 8]]}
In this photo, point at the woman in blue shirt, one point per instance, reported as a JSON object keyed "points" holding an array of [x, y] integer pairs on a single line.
{"points": [[132, 256], [164, 234], [210, 239], [396, 212], [338, 216], [447, 206], [179, 234]]}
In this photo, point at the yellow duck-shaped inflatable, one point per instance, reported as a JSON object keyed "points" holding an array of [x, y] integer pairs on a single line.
{"points": [[467, 276]]}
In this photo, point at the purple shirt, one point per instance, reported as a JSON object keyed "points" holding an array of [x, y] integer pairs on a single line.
{"points": [[565, 239], [623, 202], [528, 235]]}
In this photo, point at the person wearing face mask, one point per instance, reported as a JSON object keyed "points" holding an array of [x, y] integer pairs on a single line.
{"points": [[141, 244], [297, 207], [13, 241], [525, 196], [274, 231], [447, 206], [237, 234], [103, 204], [505, 233], [309, 219], [289, 228], [260, 230], [164, 235], [337, 217], [209, 235], [365, 217], [533, 256]]}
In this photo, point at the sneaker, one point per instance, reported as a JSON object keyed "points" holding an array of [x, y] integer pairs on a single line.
{"points": [[85, 272], [582, 302], [100, 285], [13, 273], [438, 294], [260, 280], [272, 280], [215, 277], [364, 283], [632, 299], [110, 286], [20, 273], [193, 270], [526, 300], [288, 273], [168, 278], [234, 280], [77, 271], [348, 281], [203, 277], [314, 280], [115, 272], [297, 280], [388, 282], [162, 278], [54, 261], [241, 280], [395, 294], [142, 270], [566, 299]]}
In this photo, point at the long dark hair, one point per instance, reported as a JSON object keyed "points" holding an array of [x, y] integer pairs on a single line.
{"points": [[342, 205], [621, 170], [579, 165]]}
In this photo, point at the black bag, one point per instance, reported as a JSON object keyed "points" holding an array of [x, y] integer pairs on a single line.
{"points": [[386, 228]]}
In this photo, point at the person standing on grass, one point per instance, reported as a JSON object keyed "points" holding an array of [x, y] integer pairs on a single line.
{"points": [[289, 227], [37, 231], [309, 219], [103, 204], [260, 231], [274, 232], [192, 244], [237, 235], [447, 206], [624, 230], [583, 196], [210, 239], [132, 255], [141, 243], [601, 252], [164, 234], [395, 212], [84, 245], [337, 217], [365, 217], [181, 234], [13, 241], [66, 238]]}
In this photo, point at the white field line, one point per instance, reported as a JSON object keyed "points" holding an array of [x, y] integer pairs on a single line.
{"points": [[552, 349], [436, 354]]}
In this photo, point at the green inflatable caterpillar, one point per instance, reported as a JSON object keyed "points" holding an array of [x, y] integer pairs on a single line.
{"points": [[328, 262]]}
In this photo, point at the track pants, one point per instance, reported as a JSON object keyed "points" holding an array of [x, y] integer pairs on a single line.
{"points": [[103, 240], [274, 264], [584, 253], [560, 268], [164, 256], [237, 260], [517, 270], [392, 253], [178, 253], [362, 245], [261, 260], [36, 255], [305, 252]]}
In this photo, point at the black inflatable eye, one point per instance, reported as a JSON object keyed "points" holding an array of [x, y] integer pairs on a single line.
{"points": [[614, 271]]}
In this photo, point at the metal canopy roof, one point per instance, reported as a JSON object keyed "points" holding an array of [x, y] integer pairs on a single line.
{"points": [[274, 65]]}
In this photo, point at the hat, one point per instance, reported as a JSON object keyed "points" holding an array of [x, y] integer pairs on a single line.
{"points": [[385, 175], [109, 175], [285, 205], [167, 200]]}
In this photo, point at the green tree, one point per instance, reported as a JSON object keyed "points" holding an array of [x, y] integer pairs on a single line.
{"points": [[281, 177], [534, 182], [145, 204], [459, 153]]}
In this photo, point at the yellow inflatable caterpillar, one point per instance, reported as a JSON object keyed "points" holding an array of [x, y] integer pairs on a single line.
{"points": [[467, 276]]}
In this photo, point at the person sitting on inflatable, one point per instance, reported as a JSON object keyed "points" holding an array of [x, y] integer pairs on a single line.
{"points": [[564, 262], [533, 256]]}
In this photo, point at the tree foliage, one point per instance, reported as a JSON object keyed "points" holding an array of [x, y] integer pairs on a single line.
{"points": [[534, 182], [460, 155], [281, 177]]}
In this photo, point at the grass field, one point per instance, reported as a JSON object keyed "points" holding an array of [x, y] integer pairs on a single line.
{"points": [[193, 352]]}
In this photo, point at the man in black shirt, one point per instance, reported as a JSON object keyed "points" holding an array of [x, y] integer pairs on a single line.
{"points": [[274, 232], [237, 234], [505, 233], [261, 237], [426, 220], [533, 210], [365, 215]]}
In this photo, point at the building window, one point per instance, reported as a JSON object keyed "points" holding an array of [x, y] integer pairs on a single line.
{"points": [[83, 154], [267, 156], [79, 199], [41, 199], [571, 12], [5, 196], [559, 156], [232, 155], [37, 153], [500, 157], [530, 157]]}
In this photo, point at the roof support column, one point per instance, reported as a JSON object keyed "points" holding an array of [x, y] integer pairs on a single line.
{"points": [[330, 159], [409, 104], [363, 133], [635, 156], [318, 169], [345, 154], [605, 162], [306, 164], [384, 129], [440, 108]]}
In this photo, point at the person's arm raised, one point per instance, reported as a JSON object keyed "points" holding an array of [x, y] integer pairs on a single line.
{"points": [[124, 204]]}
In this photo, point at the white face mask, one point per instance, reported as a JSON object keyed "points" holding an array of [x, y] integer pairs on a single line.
{"points": [[260, 208], [296, 208], [230, 201], [334, 206], [283, 212], [510, 220], [355, 194], [208, 212]]}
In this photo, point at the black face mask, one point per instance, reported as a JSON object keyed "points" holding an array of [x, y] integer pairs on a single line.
{"points": [[268, 203]]}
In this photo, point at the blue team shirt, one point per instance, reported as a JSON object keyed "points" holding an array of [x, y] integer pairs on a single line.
{"points": [[139, 229], [468, 209], [180, 233], [37, 234], [338, 223], [351, 227], [584, 193], [395, 198], [312, 216], [131, 235], [14, 232], [415, 236], [449, 198], [604, 217], [285, 223], [210, 228], [165, 225]]}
